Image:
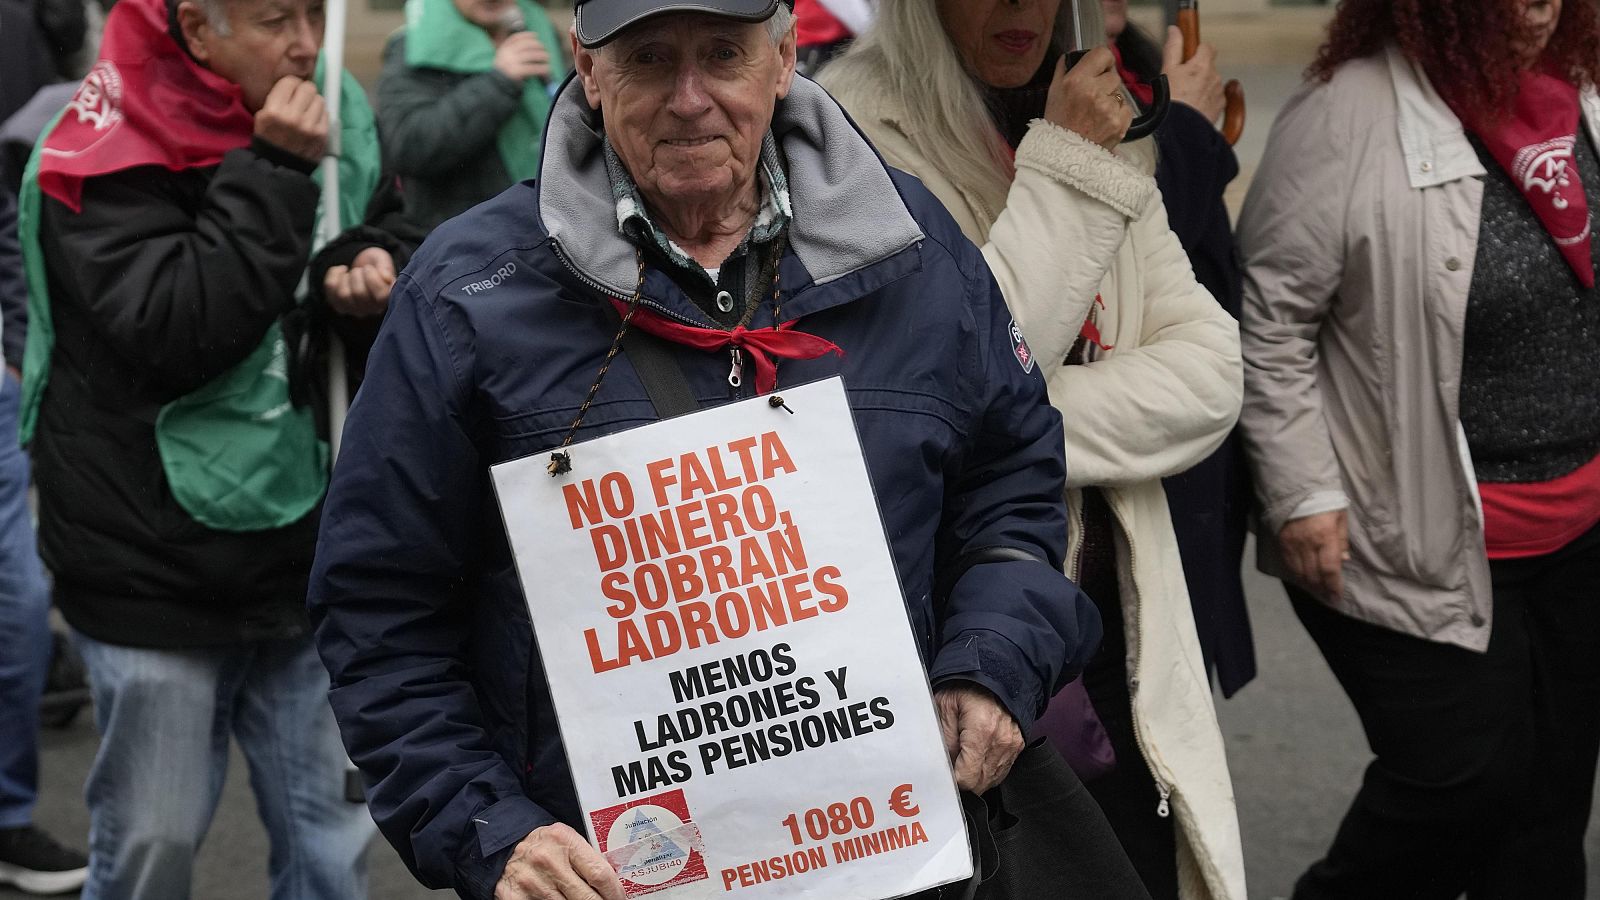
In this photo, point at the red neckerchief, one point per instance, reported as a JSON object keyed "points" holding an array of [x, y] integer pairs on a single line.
{"points": [[144, 103], [1142, 92], [761, 343], [1090, 331], [1534, 145]]}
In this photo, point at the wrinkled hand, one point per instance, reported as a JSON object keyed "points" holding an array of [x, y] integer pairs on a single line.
{"points": [[361, 289], [521, 56], [556, 863], [1197, 82], [979, 734], [294, 119], [1088, 99], [1315, 549]]}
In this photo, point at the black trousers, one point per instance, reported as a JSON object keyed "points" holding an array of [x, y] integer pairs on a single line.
{"points": [[1128, 794], [1485, 762], [1040, 836]]}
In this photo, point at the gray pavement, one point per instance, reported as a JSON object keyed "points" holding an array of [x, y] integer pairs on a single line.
{"points": [[1294, 746]]}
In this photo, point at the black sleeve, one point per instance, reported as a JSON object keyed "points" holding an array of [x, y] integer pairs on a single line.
{"points": [[184, 285], [1196, 166], [65, 23], [385, 225], [13, 289], [431, 122]]}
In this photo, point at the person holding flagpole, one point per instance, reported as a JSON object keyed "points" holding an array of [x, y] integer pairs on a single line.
{"points": [[166, 221]]}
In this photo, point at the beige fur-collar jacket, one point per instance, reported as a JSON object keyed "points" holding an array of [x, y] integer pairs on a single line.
{"points": [[1158, 396]]}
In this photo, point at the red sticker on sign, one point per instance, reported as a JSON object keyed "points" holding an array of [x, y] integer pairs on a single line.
{"points": [[652, 842]]}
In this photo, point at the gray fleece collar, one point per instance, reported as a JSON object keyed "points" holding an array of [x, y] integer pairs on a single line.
{"points": [[847, 213]]}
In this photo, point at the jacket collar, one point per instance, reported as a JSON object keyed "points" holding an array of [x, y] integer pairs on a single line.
{"points": [[848, 215], [1431, 136]]}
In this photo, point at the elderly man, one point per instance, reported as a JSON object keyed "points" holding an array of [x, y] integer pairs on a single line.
{"points": [[172, 213], [690, 184]]}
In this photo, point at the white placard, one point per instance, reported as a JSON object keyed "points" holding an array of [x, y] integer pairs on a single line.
{"points": [[739, 691]]}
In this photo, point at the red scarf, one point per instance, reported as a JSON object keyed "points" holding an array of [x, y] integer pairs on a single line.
{"points": [[1534, 146], [761, 343], [145, 103], [1142, 92]]}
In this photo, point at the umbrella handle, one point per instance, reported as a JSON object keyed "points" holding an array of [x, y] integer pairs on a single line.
{"points": [[1233, 92], [1233, 113], [1146, 124]]}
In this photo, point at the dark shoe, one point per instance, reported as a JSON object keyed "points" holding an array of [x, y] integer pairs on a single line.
{"points": [[34, 863]]}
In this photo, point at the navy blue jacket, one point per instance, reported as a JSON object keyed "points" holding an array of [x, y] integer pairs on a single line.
{"points": [[1210, 502], [495, 332]]}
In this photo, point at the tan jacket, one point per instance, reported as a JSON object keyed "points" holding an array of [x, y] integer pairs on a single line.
{"points": [[1080, 221], [1359, 236]]}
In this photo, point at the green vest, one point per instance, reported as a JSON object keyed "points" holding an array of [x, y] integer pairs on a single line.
{"points": [[238, 454]]}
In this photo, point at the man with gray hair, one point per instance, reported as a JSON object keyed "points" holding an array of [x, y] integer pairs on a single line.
{"points": [[166, 220], [695, 193]]}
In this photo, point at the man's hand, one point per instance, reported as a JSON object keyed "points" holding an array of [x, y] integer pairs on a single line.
{"points": [[521, 56], [1315, 549], [294, 119], [1196, 82], [1087, 99], [979, 734], [556, 863], [361, 289]]}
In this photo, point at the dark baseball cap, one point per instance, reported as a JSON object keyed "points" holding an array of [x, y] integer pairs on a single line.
{"points": [[598, 21]]}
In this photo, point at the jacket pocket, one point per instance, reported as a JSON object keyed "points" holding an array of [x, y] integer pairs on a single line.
{"points": [[538, 430]]}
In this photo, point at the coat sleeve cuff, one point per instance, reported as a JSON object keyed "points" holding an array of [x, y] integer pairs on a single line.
{"points": [[1279, 510], [989, 660], [1078, 162], [508, 86], [278, 156], [497, 829], [1318, 503]]}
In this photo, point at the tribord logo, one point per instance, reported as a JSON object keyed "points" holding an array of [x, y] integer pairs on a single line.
{"points": [[1019, 346]]}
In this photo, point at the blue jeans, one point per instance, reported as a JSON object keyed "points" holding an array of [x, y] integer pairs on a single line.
{"points": [[165, 717], [24, 625]]}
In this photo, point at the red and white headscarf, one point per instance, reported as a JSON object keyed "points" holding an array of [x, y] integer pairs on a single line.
{"points": [[1534, 145]]}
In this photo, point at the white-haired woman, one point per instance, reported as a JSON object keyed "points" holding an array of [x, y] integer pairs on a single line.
{"points": [[971, 96]]}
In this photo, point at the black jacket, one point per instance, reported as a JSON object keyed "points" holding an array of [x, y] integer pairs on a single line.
{"points": [[26, 63], [164, 281], [13, 289], [1209, 502], [440, 133]]}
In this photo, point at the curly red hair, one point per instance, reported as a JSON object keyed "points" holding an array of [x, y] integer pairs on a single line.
{"points": [[1465, 46]]}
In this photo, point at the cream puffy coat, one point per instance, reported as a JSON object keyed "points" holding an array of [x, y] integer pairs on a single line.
{"points": [[1080, 221]]}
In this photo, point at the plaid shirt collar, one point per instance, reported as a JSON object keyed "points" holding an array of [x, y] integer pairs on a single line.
{"points": [[633, 220]]}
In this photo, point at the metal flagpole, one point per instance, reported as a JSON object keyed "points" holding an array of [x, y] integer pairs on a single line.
{"points": [[338, 387], [332, 80]]}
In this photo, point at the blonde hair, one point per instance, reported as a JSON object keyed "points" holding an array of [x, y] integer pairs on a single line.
{"points": [[908, 54]]}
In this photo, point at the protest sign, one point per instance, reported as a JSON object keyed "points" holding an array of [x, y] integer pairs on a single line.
{"points": [[739, 692]]}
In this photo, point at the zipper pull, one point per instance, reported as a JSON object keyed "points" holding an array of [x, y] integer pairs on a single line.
{"points": [[1164, 809], [736, 373]]}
